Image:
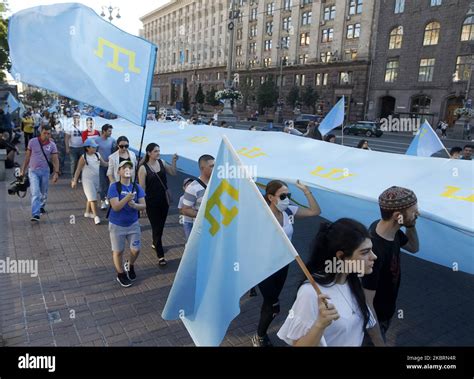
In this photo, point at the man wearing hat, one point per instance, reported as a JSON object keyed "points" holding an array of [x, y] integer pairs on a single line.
{"points": [[126, 199], [398, 208], [73, 141]]}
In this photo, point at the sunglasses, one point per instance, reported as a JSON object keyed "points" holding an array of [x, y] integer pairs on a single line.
{"points": [[124, 146], [283, 196]]}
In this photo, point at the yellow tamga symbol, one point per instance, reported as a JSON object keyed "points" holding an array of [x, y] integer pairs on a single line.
{"points": [[451, 190], [117, 50], [198, 139], [254, 152], [215, 199], [331, 175]]}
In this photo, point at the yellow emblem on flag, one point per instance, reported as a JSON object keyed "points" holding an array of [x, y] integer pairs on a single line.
{"points": [[215, 200], [254, 152], [117, 50]]}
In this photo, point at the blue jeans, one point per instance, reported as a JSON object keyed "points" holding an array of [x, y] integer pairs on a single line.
{"points": [[39, 181], [103, 182], [74, 156], [187, 226]]}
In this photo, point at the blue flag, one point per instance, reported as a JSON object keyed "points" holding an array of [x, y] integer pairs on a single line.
{"points": [[69, 49], [425, 143], [53, 107], [333, 119], [12, 103], [226, 254]]}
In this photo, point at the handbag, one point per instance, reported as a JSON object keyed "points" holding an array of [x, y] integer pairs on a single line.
{"points": [[51, 167], [169, 197]]}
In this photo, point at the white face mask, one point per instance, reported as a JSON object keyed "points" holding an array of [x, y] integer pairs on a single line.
{"points": [[282, 205], [127, 173]]}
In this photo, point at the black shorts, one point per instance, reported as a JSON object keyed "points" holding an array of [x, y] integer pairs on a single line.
{"points": [[9, 163]]}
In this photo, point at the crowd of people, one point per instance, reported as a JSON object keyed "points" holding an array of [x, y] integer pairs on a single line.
{"points": [[351, 312]]}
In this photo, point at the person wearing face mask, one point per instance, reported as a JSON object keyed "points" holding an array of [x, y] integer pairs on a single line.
{"points": [[122, 154], [278, 197]]}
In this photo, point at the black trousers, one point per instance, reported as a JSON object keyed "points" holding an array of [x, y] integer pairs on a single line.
{"points": [[157, 214], [27, 136], [271, 289]]}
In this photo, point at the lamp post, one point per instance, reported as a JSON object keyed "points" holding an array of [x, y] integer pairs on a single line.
{"points": [[280, 48], [111, 10]]}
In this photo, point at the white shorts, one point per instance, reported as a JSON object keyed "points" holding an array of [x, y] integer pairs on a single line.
{"points": [[120, 234]]}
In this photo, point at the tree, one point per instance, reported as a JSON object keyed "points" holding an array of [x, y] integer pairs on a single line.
{"points": [[247, 93], [310, 97], [4, 50], [37, 96], [293, 97], [211, 97], [173, 95], [186, 99], [267, 95], [199, 98]]}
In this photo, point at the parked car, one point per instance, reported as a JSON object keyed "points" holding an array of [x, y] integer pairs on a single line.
{"points": [[302, 121], [367, 128]]}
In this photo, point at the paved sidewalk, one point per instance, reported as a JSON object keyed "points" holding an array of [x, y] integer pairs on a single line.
{"points": [[75, 300]]}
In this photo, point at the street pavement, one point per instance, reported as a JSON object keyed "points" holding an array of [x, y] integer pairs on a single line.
{"points": [[75, 300]]}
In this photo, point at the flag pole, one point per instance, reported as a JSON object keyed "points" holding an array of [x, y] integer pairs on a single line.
{"points": [[144, 124]]}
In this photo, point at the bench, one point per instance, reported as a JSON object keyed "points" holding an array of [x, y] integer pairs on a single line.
{"points": [[3, 158]]}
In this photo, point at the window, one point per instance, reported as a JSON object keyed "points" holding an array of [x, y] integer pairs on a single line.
{"points": [[435, 3], [285, 42], [267, 62], [345, 77], [239, 33], [306, 2], [431, 34], [284, 61], [329, 13], [306, 18], [287, 5], [350, 55], [252, 47], [355, 7], [268, 45], [353, 31], [269, 27], [253, 31], [270, 9], [262, 79], [286, 23], [420, 104], [399, 6], [302, 58], [326, 57], [391, 70], [328, 35], [467, 33], [281, 80], [426, 70], [300, 79], [318, 79], [253, 14], [304, 39], [463, 67], [252, 63], [396, 37], [238, 50]]}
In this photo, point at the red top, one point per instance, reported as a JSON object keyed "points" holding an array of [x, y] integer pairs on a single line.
{"points": [[86, 134]]}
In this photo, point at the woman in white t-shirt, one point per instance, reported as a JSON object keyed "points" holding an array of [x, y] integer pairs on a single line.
{"points": [[278, 199], [89, 164], [341, 254]]}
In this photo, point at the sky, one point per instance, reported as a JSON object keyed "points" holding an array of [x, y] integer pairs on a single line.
{"points": [[130, 10]]}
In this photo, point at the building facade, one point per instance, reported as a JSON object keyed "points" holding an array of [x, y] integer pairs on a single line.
{"points": [[422, 60], [323, 44]]}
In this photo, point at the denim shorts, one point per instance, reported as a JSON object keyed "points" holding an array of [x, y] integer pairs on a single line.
{"points": [[120, 234]]}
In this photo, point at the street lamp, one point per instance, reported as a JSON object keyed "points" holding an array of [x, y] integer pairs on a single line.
{"points": [[110, 9], [280, 48]]}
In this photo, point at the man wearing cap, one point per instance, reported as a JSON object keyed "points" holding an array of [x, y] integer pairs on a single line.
{"points": [[398, 207], [106, 148], [126, 199], [73, 141]]}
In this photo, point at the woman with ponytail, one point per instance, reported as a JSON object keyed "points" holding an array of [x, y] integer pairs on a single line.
{"points": [[341, 254], [278, 199]]}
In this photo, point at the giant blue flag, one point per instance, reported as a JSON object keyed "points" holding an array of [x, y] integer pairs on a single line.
{"points": [[12, 103], [425, 143], [69, 49], [226, 254], [334, 118]]}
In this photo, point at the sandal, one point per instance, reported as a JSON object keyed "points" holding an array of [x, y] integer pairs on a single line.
{"points": [[162, 262]]}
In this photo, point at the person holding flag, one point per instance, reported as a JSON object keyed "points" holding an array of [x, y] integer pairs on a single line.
{"points": [[346, 317], [278, 197]]}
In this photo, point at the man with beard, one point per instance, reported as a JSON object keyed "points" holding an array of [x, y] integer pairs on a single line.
{"points": [[398, 207]]}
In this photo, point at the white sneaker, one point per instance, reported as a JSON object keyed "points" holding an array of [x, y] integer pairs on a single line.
{"points": [[97, 220], [88, 215], [103, 205]]}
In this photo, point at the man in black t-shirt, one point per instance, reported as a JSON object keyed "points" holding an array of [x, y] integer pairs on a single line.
{"points": [[398, 207]]}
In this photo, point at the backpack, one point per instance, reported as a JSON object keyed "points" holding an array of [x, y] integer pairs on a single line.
{"points": [[85, 158]]}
